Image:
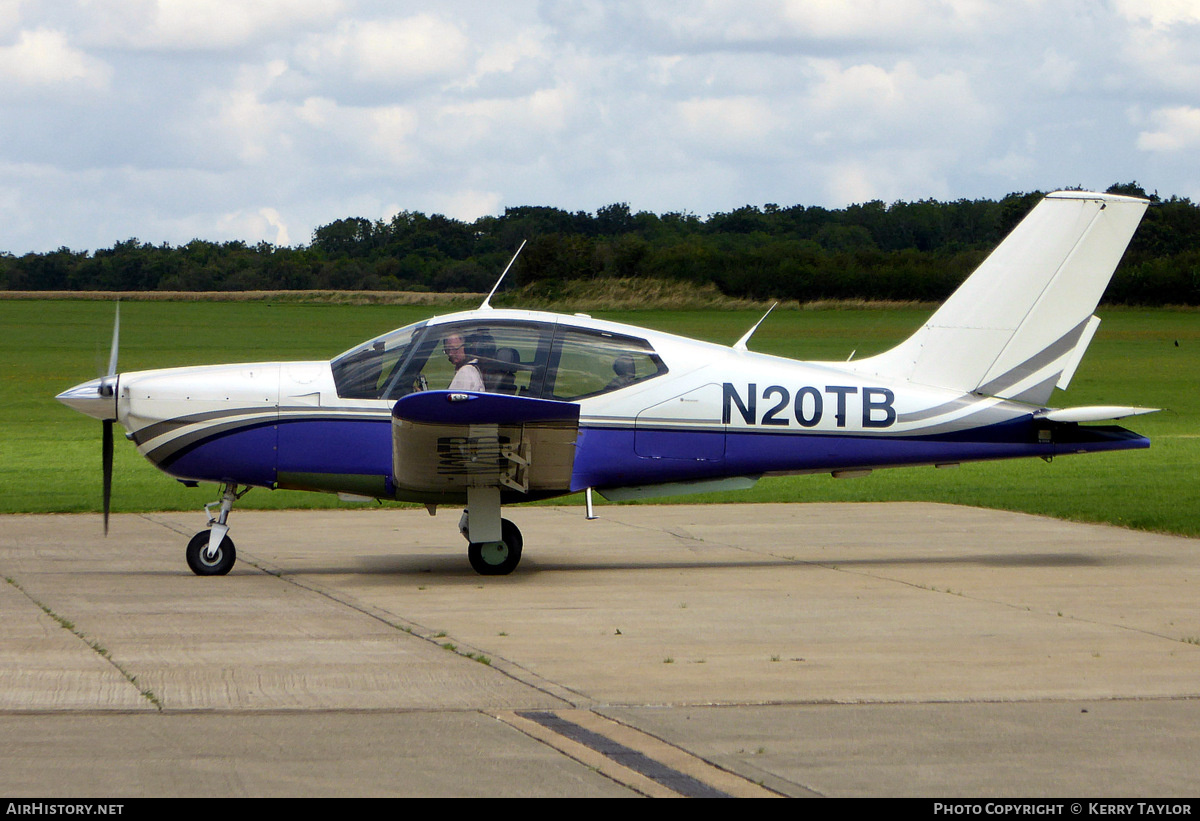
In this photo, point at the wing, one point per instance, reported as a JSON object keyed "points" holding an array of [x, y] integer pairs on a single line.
{"points": [[444, 442]]}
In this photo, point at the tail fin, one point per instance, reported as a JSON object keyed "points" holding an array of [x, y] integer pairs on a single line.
{"points": [[1021, 322]]}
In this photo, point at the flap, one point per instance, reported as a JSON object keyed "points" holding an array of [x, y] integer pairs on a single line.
{"points": [[447, 441], [469, 408]]}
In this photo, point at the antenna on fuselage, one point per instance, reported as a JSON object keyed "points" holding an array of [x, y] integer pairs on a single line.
{"points": [[487, 299], [740, 345]]}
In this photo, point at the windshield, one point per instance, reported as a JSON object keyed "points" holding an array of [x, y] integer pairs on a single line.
{"points": [[369, 370]]}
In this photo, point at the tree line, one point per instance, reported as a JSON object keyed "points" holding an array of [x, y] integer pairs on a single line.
{"points": [[903, 251]]}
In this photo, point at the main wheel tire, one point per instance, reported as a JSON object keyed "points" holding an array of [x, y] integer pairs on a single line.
{"points": [[219, 564], [497, 558]]}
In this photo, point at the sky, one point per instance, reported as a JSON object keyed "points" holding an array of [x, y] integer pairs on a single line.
{"points": [[262, 120]]}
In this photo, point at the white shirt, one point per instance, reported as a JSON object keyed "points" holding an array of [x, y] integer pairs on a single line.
{"points": [[467, 378]]}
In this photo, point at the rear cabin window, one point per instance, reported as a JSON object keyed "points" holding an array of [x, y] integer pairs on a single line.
{"points": [[590, 363]]}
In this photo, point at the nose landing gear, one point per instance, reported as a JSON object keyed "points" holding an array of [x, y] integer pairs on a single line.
{"points": [[211, 552]]}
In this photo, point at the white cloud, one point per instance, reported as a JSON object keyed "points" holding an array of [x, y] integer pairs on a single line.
{"points": [[318, 112], [308, 137], [243, 124], [1160, 13], [872, 105], [1160, 48], [502, 57], [1178, 130], [275, 221], [885, 175], [262, 223], [467, 205], [776, 25], [390, 130], [1057, 72], [1018, 162], [739, 123], [855, 182], [394, 51], [888, 19], [43, 59], [479, 125], [10, 16], [200, 25]]}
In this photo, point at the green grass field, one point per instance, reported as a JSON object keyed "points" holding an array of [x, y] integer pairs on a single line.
{"points": [[50, 455]]}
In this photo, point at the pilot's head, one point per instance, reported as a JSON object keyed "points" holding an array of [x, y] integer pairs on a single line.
{"points": [[455, 350]]}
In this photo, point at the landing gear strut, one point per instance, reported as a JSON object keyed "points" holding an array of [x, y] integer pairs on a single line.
{"points": [[211, 552], [495, 543]]}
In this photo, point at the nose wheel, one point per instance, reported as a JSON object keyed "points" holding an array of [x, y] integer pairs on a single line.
{"points": [[218, 564], [211, 552]]}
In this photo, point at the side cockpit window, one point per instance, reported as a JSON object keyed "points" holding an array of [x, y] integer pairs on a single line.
{"points": [[589, 363], [371, 370], [493, 357]]}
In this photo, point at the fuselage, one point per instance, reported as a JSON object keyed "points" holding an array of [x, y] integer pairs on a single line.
{"points": [[654, 409]]}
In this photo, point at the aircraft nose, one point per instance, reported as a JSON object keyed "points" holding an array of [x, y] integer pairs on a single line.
{"points": [[97, 398]]}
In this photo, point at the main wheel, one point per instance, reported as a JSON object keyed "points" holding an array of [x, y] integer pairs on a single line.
{"points": [[497, 558], [219, 564]]}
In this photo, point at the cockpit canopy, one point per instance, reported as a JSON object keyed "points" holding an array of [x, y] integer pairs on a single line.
{"points": [[544, 360]]}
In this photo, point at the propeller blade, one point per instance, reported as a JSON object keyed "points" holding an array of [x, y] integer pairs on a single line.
{"points": [[112, 354], [107, 460], [108, 388]]}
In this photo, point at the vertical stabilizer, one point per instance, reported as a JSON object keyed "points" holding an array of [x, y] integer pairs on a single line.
{"points": [[1020, 323]]}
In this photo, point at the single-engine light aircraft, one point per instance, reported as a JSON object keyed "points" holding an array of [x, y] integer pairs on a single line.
{"points": [[493, 407]]}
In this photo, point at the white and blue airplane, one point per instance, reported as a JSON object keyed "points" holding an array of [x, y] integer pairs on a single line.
{"points": [[493, 407]]}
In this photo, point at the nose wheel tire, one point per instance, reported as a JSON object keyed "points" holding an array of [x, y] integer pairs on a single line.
{"points": [[201, 564], [497, 558]]}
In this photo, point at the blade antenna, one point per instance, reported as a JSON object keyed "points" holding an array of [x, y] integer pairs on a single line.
{"points": [[740, 345], [487, 299]]}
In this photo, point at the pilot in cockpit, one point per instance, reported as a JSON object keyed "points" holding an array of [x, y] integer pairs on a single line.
{"points": [[466, 369]]}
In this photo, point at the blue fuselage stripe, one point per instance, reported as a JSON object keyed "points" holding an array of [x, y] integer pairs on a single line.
{"points": [[245, 455], [606, 457], [609, 456], [255, 455]]}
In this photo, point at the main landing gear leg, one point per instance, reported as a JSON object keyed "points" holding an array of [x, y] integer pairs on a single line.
{"points": [[495, 543], [211, 552]]}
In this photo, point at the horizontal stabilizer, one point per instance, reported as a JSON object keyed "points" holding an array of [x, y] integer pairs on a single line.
{"points": [[1094, 413]]}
